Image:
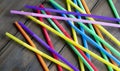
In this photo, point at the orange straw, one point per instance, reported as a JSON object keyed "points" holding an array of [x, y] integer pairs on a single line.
{"points": [[32, 44], [97, 30]]}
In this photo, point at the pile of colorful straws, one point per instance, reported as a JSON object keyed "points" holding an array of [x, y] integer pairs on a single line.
{"points": [[94, 28]]}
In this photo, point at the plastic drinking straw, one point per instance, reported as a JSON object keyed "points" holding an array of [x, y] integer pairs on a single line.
{"points": [[46, 45], [110, 47], [94, 43], [62, 18], [98, 32], [75, 37], [48, 39], [60, 11], [38, 51], [18, 12], [75, 50], [73, 42], [89, 30], [105, 43], [68, 21], [82, 53], [52, 23], [73, 13], [99, 26], [116, 15], [33, 45], [115, 12], [84, 41]]}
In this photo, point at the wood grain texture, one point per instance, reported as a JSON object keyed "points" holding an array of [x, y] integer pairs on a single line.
{"points": [[14, 57], [103, 9]]}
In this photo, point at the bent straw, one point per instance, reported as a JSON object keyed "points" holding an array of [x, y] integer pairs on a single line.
{"points": [[97, 30], [48, 39], [89, 30], [33, 45], [46, 45], [99, 33], [115, 12], [73, 13], [62, 18], [37, 51], [75, 37], [82, 53], [74, 43]]}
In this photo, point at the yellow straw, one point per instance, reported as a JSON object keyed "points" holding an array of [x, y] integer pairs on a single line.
{"points": [[99, 26], [37, 51], [75, 37], [74, 43]]}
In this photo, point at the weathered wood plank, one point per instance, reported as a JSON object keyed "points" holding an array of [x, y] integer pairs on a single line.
{"points": [[9, 48], [7, 19], [65, 52], [14, 57], [103, 9]]}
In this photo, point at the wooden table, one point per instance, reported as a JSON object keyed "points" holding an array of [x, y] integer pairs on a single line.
{"points": [[14, 57]]}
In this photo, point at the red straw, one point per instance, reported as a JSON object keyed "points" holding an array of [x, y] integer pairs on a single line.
{"points": [[66, 33], [49, 41]]}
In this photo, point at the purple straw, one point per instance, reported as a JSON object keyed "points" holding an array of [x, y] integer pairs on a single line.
{"points": [[46, 45], [74, 13], [65, 18]]}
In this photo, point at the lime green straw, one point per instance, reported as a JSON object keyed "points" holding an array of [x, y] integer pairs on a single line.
{"points": [[75, 36], [91, 27], [52, 23], [115, 12], [90, 31], [72, 47]]}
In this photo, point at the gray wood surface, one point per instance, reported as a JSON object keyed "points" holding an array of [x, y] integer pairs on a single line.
{"points": [[14, 57]]}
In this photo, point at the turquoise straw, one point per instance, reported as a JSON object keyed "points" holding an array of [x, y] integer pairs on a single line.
{"points": [[90, 31], [103, 55], [115, 12], [83, 39], [72, 47]]}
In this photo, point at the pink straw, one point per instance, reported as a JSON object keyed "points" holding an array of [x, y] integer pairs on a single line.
{"points": [[63, 18]]}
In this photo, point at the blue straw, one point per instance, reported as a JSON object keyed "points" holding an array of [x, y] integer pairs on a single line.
{"points": [[90, 40], [71, 46], [103, 55], [83, 39]]}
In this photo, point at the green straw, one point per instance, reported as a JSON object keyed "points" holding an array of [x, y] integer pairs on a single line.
{"points": [[91, 27], [115, 12], [72, 47], [90, 31], [52, 23]]}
